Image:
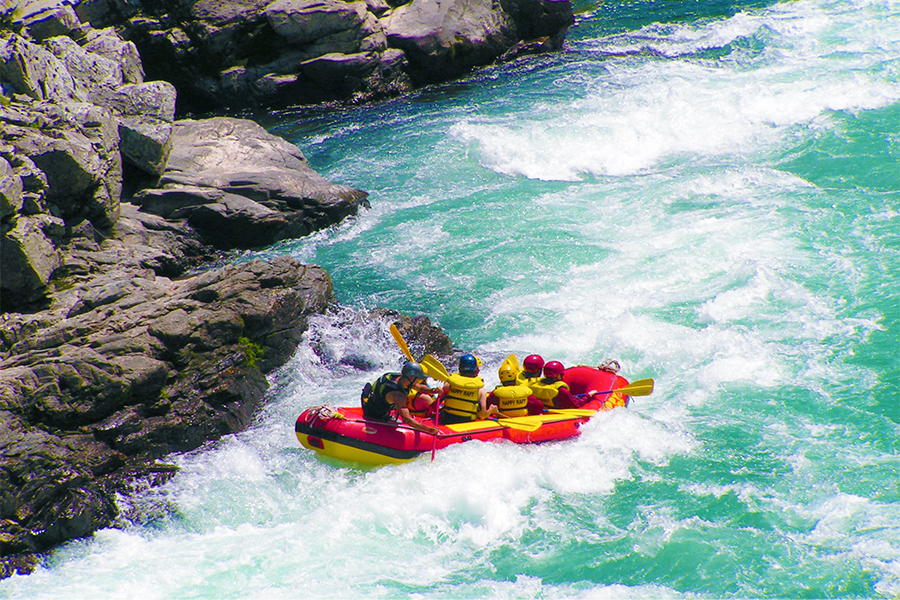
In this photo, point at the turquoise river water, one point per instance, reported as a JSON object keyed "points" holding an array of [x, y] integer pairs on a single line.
{"points": [[707, 192]]}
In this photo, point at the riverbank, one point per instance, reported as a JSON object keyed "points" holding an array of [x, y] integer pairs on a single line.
{"points": [[126, 334]]}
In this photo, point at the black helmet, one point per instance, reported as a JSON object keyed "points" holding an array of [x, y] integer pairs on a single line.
{"points": [[413, 370]]}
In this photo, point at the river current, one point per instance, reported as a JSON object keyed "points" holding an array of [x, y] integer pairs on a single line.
{"points": [[707, 192]]}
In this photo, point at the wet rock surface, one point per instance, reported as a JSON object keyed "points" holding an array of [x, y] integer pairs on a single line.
{"points": [[123, 338], [227, 54], [125, 335]]}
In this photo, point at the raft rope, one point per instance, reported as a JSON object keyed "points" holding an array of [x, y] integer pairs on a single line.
{"points": [[325, 412], [609, 365]]}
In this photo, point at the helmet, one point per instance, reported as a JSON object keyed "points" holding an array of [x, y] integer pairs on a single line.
{"points": [[554, 369], [468, 364], [507, 373], [532, 363], [412, 370]]}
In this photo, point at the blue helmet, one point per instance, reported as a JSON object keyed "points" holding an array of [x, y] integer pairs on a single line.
{"points": [[468, 364]]}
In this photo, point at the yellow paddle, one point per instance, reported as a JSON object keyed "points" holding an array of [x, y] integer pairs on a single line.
{"points": [[401, 342], [434, 368], [512, 362], [522, 425], [430, 367], [572, 412], [641, 387]]}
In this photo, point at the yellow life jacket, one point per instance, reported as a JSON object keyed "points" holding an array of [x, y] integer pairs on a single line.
{"points": [[410, 405], [546, 391], [521, 379], [462, 397], [513, 399]]}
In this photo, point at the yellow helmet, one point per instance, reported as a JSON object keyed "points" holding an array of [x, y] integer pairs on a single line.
{"points": [[507, 373]]}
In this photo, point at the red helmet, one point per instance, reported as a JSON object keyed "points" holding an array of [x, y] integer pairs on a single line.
{"points": [[554, 369], [533, 363]]}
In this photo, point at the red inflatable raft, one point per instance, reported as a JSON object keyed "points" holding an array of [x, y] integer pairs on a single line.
{"points": [[343, 433]]}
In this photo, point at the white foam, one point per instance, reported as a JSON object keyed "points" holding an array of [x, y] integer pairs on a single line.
{"points": [[636, 114]]}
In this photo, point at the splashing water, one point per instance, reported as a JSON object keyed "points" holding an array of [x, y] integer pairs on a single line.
{"points": [[710, 199]]}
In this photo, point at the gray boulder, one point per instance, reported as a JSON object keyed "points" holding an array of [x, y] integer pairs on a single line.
{"points": [[240, 186], [45, 19], [147, 111], [299, 22], [444, 39], [32, 70], [76, 147], [10, 190], [27, 260], [108, 44], [89, 70]]}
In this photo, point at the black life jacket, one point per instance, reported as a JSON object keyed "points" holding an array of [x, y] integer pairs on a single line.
{"points": [[377, 406]]}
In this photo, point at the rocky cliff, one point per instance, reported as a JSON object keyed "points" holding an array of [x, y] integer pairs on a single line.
{"points": [[248, 53], [120, 339], [123, 337]]}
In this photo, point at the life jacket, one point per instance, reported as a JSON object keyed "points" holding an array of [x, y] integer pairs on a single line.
{"points": [[546, 390], [462, 397], [410, 404], [377, 406], [522, 379], [513, 399]]}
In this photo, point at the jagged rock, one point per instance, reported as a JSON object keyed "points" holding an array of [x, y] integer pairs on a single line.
{"points": [[27, 259], [147, 111], [153, 99], [138, 367], [299, 22], [241, 157], [102, 13], [76, 149], [172, 200], [34, 182], [31, 70], [106, 43], [47, 19], [537, 19], [145, 143], [10, 189], [422, 336], [256, 52], [89, 70]]}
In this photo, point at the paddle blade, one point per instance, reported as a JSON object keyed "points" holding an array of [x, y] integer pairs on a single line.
{"points": [[641, 387], [573, 412], [521, 425], [401, 342], [512, 362], [434, 369]]}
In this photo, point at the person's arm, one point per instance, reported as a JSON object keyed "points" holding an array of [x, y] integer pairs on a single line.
{"points": [[399, 401], [421, 387], [412, 422], [485, 411], [565, 399]]}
